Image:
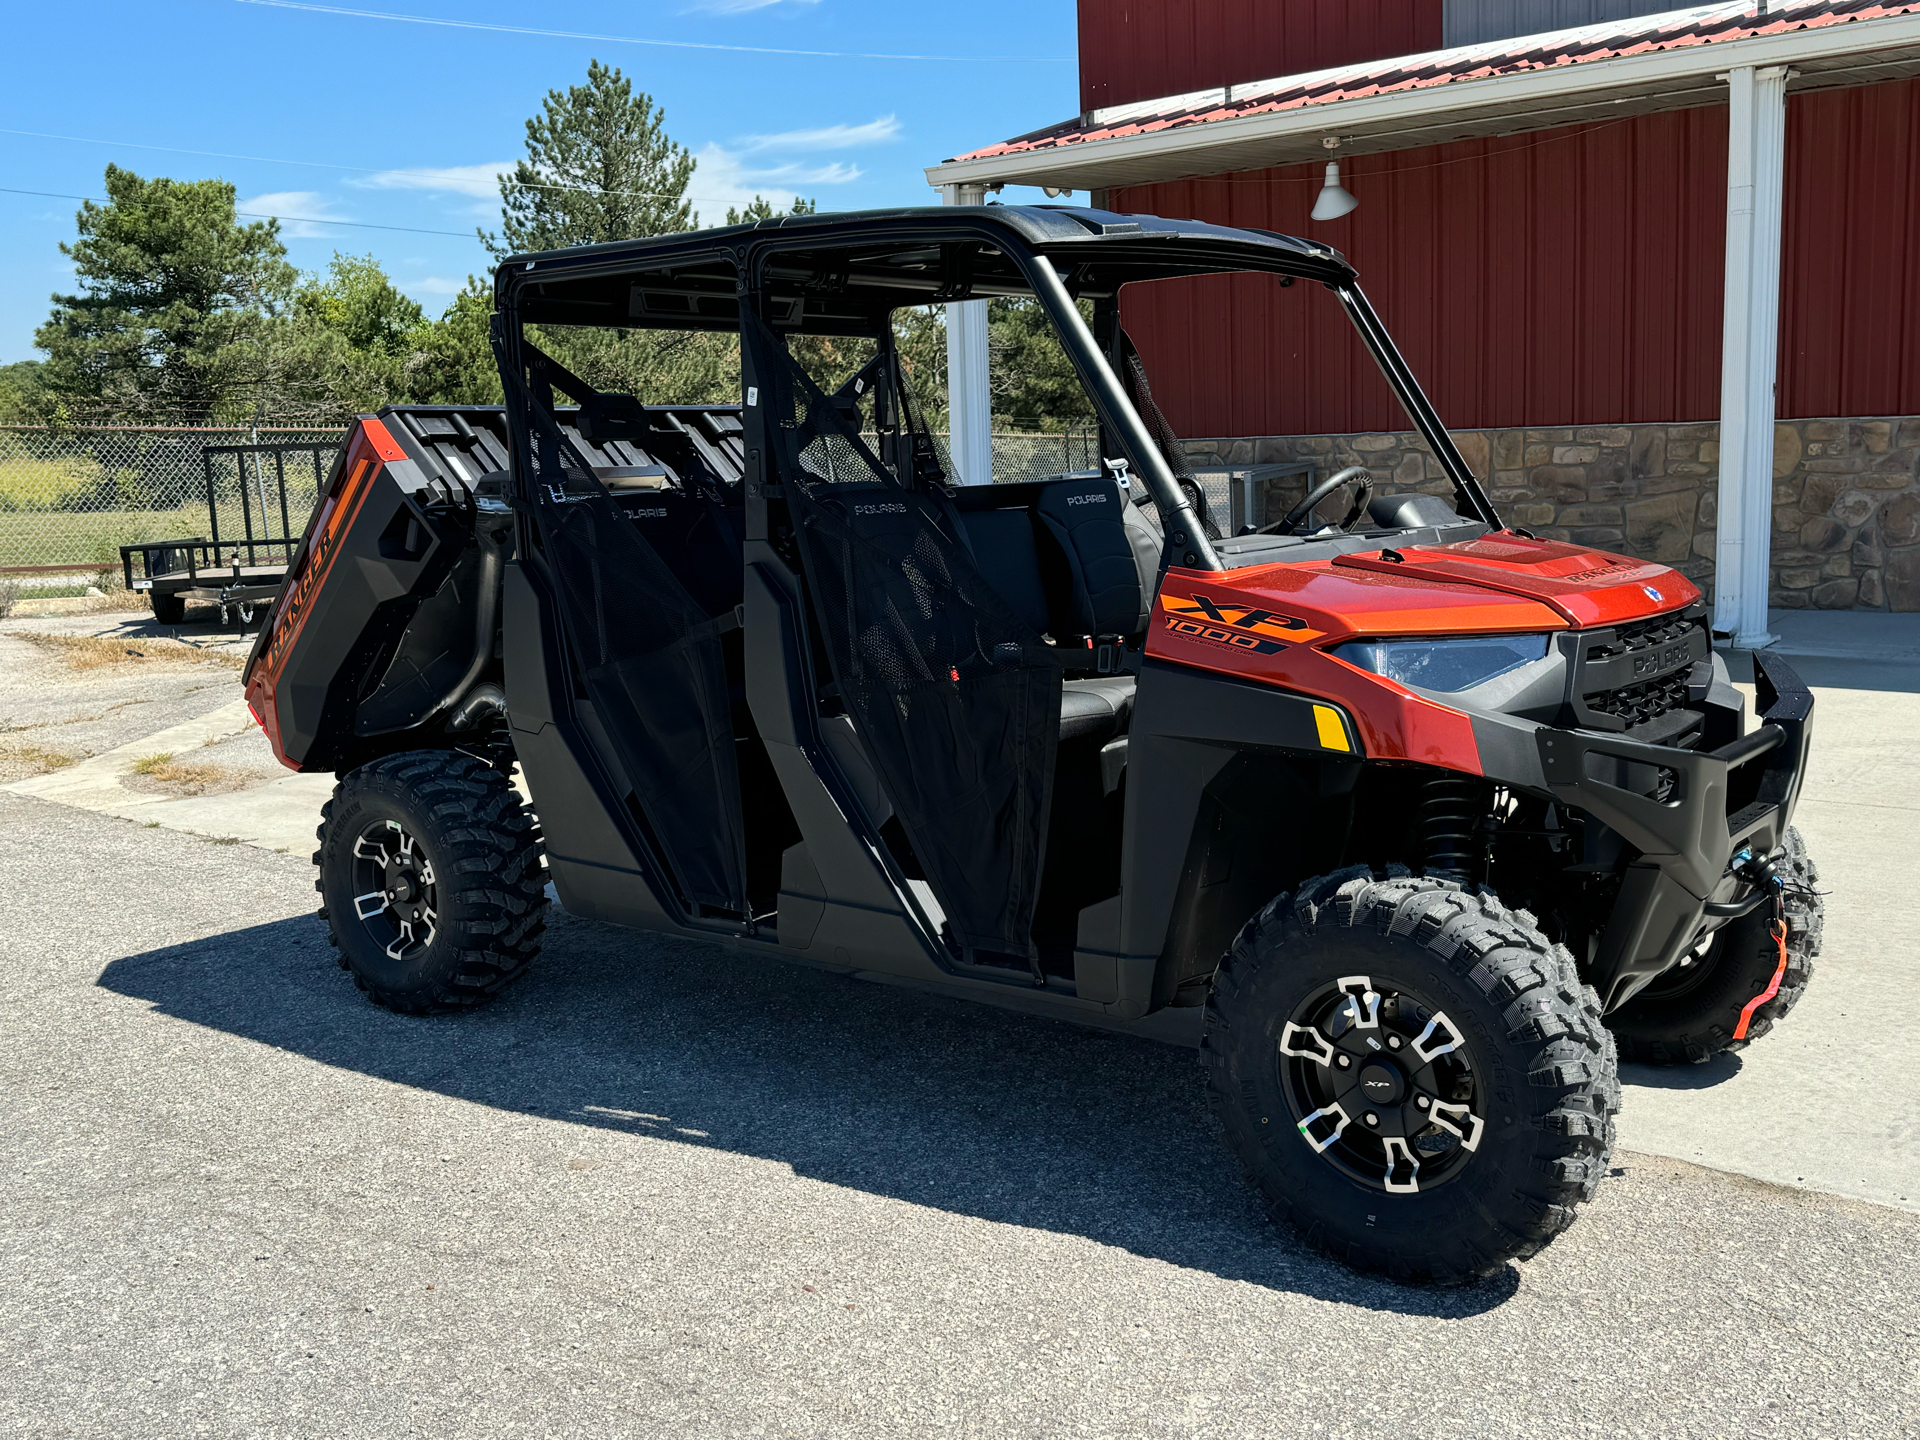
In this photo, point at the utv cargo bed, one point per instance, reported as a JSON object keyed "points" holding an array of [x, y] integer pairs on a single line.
{"points": [[371, 640]]}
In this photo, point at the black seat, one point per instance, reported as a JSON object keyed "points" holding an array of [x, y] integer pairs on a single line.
{"points": [[1098, 707], [1099, 584], [697, 538], [1003, 545], [1074, 558]]}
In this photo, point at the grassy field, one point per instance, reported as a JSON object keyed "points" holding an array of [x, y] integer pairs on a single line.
{"points": [[115, 489], [85, 539], [88, 539], [26, 481]]}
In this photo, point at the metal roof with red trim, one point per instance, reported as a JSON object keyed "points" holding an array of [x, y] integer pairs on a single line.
{"points": [[1663, 61]]}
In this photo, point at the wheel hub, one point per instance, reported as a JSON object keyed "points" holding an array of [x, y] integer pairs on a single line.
{"points": [[1381, 1084], [396, 889]]}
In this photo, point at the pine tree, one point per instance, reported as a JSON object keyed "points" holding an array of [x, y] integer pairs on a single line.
{"points": [[599, 166], [760, 208], [174, 301]]}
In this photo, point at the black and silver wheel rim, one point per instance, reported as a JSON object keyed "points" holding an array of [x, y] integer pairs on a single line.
{"points": [[1382, 1085], [395, 890]]}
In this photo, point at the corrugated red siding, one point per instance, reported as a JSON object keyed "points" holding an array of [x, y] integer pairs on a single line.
{"points": [[1566, 277], [1141, 49], [1851, 215]]}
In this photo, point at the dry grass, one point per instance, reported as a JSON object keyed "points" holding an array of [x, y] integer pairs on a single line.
{"points": [[115, 601], [92, 652], [20, 759], [191, 777]]}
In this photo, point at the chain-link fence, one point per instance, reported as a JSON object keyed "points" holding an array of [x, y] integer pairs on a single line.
{"points": [[69, 499], [1022, 456]]}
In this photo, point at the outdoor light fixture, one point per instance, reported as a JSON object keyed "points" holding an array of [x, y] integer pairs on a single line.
{"points": [[1334, 201], [1054, 192]]}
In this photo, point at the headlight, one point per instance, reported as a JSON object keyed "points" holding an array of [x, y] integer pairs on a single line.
{"points": [[1444, 665]]}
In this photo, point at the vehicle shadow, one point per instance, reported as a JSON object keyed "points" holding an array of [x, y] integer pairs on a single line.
{"points": [[933, 1101], [1718, 1069]]}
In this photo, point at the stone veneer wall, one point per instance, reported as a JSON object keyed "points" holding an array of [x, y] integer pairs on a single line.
{"points": [[1844, 494]]}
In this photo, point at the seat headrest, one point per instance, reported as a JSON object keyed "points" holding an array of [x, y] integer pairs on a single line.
{"points": [[1087, 518]]}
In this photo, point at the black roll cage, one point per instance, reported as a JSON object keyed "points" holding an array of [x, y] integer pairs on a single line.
{"points": [[876, 262]]}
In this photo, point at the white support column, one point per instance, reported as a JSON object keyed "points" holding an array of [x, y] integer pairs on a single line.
{"points": [[1750, 328], [970, 439]]}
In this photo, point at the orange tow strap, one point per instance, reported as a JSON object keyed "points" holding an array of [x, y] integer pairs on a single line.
{"points": [[1779, 931]]}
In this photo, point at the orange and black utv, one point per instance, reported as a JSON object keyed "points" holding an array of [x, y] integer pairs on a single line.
{"points": [[1432, 816]]}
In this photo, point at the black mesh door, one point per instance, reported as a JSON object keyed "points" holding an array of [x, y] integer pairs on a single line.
{"points": [[651, 660], [956, 700]]}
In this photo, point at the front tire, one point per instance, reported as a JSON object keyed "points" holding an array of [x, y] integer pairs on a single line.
{"points": [[1691, 1013], [167, 609], [431, 881], [1494, 1090]]}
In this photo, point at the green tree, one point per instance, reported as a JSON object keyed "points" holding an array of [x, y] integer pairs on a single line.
{"points": [[1031, 380], [344, 345], [174, 298], [920, 335], [22, 392], [760, 208], [599, 166], [451, 361], [361, 305]]}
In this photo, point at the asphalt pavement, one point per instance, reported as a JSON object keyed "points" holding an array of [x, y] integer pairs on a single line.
{"points": [[663, 1188]]}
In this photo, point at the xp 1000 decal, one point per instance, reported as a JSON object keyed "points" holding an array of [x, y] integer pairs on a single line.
{"points": [[1244, 627]]}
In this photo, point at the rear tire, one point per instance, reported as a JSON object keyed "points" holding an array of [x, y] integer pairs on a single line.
{"points": [[431, 880], [168, 609], [1690, 1014], [1530, 1088]]}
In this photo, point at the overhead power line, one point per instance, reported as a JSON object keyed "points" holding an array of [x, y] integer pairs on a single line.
{"points": [[639, 40], [254, 214], [424, 171]]}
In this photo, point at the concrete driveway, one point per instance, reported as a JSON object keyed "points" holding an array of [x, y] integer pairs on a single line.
{"points": [[661, 1188]]}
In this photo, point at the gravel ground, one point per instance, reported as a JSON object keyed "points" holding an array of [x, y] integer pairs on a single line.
{"points": [[663, 1188], [53, 712]]}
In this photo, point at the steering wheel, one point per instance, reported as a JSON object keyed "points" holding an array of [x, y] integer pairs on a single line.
{"points": [[1285, 525]]}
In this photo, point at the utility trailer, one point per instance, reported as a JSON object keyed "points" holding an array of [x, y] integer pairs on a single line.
{"points": [[1432, 817], [240, 575]]}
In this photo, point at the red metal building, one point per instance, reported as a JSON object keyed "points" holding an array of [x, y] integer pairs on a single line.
{"points": [[1562, 277], [1593, 215], [1134, 50]]}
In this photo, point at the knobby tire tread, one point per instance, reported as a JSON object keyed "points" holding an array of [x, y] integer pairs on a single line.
{"points": [[1572, 1090], [491, 868]]}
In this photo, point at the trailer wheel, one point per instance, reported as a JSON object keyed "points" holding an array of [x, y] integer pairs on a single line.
{"points": [[431, 880], [168, 609], [1412, 1075], [1694, 1011]]}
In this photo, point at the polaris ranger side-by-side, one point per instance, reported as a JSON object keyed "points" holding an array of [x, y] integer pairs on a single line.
{"points": [[1430, 815]]}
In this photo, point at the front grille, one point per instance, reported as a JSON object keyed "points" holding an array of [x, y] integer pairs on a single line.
{"points": [[1637, 703], [1641, 634], [1635, 676]]}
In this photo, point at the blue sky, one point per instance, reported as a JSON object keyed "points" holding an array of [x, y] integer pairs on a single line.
{"points": [[387, 122]]}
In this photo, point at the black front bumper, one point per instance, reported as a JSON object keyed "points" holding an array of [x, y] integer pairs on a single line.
{"points": [[1713, 805]]}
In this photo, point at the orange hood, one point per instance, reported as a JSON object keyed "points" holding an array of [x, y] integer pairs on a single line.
{"points": [[1273, 624]]}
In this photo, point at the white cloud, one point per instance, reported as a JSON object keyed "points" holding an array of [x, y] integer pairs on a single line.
{"points": [[482, 181], [722, 180], [306, 205], [432, 285], [827, 137]]}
